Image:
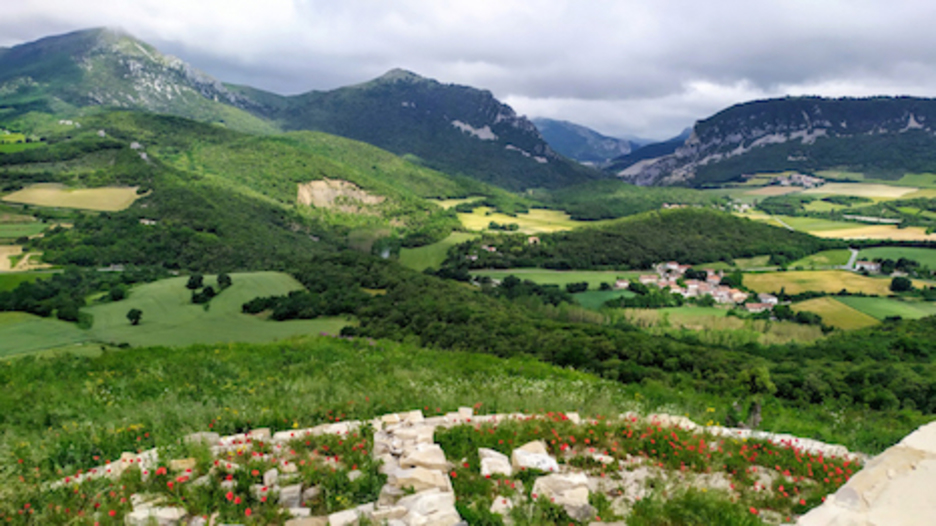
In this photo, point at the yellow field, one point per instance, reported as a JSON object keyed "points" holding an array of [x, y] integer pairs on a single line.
{"points": [[537, 221], [927, 193], [819, 280], [836, 314], [774, 190], [107, 199], [449, 203], [913, 233], [862, 190]]}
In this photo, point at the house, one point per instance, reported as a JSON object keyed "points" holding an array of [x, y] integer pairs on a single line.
{"points": [[769, 299], [488, 248], [738, 296], [648, 279], [533, 240], [869, 266], [757, 307], [621, 284], [148, 222]]}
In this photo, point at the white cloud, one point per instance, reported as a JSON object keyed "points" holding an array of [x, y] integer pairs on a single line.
{"points": [[620, 66]]}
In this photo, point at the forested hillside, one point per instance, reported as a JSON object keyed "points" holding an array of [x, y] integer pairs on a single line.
{"points": [[690, 236]]}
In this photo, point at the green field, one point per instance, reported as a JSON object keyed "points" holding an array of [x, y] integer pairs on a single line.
{"points": [[925, 256], [15, 230], [881, 308], [826, 258], [594, 278], [11, 280], [25, 333], [432, 256], [831, 281], [169, 317], [836, 313], [594, 299]]}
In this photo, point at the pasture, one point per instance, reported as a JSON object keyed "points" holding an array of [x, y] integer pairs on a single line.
{"points": [[768, 191], [885, 191], [826, 258], [11, 280], [432, 256], [536, 221], [925, 256], [836, 313], [795, 282], [713, 326], [594, 299], [881, 308], [594, 278], [107, 199], [15, 230], [22, 333], [169, 317]]}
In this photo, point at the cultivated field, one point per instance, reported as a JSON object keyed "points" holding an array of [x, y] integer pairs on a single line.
{"points": [[861, 190], [712, 325], [537, 221], [169, 317], [925, 256], [912, 233], [835, 313], [25, 333], [432, 255], [826, 258], [108, 199], [768, 191], [796, 282], [9, 254], [881, 308], [594, 299], [15, 230], [594, 278]]}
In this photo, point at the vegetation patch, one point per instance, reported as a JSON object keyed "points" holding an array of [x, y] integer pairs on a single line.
{"points": [[836, 313], [883, 308], [432, 256], [826, 258], [923, 256], [22, 333], [170, 318], [535, 221], [52, 195], [594, 278], [831, 281], [17, 230]]}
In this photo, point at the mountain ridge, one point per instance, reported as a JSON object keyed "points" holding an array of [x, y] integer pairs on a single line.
{"points": [[581, 143]]}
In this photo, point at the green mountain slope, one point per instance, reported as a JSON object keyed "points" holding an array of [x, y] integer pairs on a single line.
{"points": [[580, 143], [883, 136]]}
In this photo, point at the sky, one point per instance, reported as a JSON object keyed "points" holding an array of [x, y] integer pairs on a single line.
{"points": [[625, 68]]}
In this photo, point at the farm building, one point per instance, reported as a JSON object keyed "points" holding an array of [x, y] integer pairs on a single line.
{"points": [[757, 307], [767, 298], [868, 266]]}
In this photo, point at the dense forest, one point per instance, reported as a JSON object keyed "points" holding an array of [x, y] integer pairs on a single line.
{"points": [[690, 236]]}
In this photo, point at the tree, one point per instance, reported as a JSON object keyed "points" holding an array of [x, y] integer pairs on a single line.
{"points": [[573, 288], [118, 292], [224, 281], [195, 281], [901, 284], [134, 316]]}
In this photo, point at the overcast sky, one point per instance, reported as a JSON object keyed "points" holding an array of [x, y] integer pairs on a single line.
{"points": [[647, 68]]}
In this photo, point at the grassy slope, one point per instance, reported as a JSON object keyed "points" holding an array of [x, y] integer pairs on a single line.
{"points": [[432, 256], [826, 258], [169, 317], [25, 333], [881, 308], [835, 313], [924, 256]]}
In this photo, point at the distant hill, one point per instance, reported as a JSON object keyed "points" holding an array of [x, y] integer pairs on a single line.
{"points": [[647, 151], [885, 137], [456, 129], [580, 143]]}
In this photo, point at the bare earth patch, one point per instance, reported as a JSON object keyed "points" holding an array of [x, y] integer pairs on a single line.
{"points": [[107, 199], [336, 194]]}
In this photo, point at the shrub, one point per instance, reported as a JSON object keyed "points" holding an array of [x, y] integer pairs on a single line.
{"points": [[692, 508]]}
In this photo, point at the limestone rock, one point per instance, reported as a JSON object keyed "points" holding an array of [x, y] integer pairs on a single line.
{"points": [[494, 463], [260, 435], [299, 512], [501, 505], [271, 477], [389, 495], [352, 516], [311, 494], [429, 456], [290, 496], [389, 513], [533, 456], [182, 464], [308, 521], [430, 507], [163, 516], [567, 490], [420, 479], [354, 475]]}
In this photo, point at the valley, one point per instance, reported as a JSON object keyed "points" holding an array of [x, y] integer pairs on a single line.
{"points": [[179, 255]]}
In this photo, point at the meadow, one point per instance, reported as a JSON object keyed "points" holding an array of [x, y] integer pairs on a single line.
{"points": [[11, 280], [712, 325], [881, 308], [886, 191], [26, 333], [432, 256], [836, 313], [595, 299], [594, 278], [826, 258], [831, 281], [536, 221], [912, 233], [15, 230], [925, 256], [109, 199], [170, 318]]}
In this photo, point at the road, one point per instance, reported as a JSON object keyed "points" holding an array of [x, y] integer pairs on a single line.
{"points": [[852, 259]]}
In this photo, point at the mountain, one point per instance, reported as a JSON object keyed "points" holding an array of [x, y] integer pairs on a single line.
{"points": [[456, 129], [884, 137], [650, 150], [106, 67], [580, 143]]}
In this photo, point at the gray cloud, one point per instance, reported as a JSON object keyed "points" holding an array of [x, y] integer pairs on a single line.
{"points": [[619, 66]]}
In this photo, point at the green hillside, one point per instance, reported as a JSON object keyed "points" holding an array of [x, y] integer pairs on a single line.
{"points": [[615, 198]]}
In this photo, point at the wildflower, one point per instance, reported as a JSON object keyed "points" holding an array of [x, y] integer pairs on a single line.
{"points": [[247, 512]]}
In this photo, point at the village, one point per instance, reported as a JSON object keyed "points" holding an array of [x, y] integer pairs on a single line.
{"points": [[673, 276]]}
